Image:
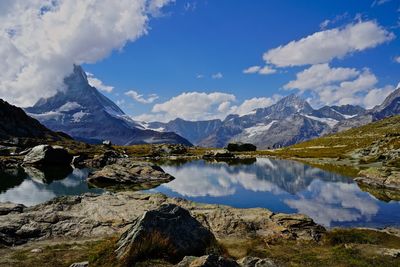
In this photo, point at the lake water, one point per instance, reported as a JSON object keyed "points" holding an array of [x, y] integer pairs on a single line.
{"points": [[281, 186], [278, 185]]}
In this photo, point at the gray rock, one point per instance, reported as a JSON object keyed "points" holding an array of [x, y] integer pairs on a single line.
{"points": [[168, 149], [48, 155], [8, 207], [101, 216], [256, 262], [218, 154], [207, 261], [169, 232], [128, 172], [80, 264]]}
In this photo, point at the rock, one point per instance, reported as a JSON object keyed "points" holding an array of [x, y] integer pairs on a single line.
{"points": [[168, 232], [48, 155], [300, 226], [218, 154], [8, 207], [107, 158], [130, 173], [241, 147], [78, 161], [80, 264], [168, 150], [392, 252], [37, 250], [47, 174], [107, 143], [207, 261], [256, 262], [105, 215]]}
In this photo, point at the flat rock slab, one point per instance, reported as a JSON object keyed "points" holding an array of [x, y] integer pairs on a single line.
{"points": [[98, 216], [127, 172]]}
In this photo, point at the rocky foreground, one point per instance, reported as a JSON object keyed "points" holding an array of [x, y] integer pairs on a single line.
{"points": [[97, 216]]}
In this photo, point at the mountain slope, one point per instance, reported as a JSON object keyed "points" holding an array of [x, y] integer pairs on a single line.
{"points": [[84, 113], [389, 107], [289, 121], [15, 123]]}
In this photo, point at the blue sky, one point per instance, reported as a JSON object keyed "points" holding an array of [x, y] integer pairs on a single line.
{"points": [[202, 47], [209, 37]]}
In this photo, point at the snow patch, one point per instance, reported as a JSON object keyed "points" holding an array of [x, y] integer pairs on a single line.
{"points": [[331, 122], [77, 117], [69, 106], [258, 129]]}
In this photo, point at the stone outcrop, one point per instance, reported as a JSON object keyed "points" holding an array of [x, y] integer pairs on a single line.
{"points": [[240, 147], [169, 232], [256, 262], [218, 154], [207, 261], [125, 172], [98, 216], [47, 155]]}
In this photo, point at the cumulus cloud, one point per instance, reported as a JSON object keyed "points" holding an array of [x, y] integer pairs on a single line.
{"points": [[217, 75], [140, 98], [40, 40], [202, 106], [339, 86], [319, 75], [252, 69], [397, 59], [95, 82], [323, 46], [260, 70]]}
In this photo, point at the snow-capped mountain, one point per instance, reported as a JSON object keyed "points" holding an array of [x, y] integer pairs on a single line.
{"points": [[289, 121], [84, 113], [389, 107]]}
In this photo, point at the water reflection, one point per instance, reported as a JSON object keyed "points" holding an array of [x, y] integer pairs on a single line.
{"points": [[281, 186], [31, 186]]}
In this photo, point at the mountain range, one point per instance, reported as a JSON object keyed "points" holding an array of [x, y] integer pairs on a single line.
{"points": [[82, 112], [291, 120]]}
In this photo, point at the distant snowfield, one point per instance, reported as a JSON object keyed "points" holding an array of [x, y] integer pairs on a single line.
{"points": [[258, 129]]}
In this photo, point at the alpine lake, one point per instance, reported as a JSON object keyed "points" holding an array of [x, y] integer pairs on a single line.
{"points": [[286, 186]]}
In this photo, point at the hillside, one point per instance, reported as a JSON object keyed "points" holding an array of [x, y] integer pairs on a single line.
{"points": [[15, 123], [384, 134]]}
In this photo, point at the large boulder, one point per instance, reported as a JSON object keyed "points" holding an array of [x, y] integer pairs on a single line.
{"points": [[218, 154], [168, 150], [128, 173], [241, 147], [169, 232], [47, 155]]}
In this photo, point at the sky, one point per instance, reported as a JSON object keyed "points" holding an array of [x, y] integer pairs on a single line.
{"points": [[202, 59]]}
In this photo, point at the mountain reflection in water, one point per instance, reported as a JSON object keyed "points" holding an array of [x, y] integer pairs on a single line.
{"points": [[281, 186]]}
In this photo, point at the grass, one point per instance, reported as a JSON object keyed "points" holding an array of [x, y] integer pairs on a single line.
{"points": [[340, 247], [341, 144]]}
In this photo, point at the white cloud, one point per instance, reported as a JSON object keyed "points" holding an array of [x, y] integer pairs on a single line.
{"points": [[40, 40], [217, 75], [140, 98], [95, 82], [254, 103], [252, 69], [379, 2], [397, 59], [339, 86], [376, 96], [323, 46], [320, 75], [199, 76], [202, 106], [260, 70]]}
